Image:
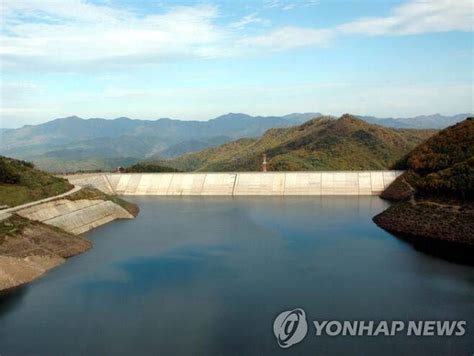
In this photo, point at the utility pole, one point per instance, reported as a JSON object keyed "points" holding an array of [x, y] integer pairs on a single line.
{"points": [[264, 163]]}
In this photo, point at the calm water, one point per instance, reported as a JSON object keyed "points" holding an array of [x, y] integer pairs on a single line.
{"points": [[208, 276]]}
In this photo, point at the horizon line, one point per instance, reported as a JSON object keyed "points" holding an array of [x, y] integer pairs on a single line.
{"points": [[237, 113]]}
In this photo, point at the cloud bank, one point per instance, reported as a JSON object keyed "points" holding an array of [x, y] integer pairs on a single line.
{"points": [[74, 35]]}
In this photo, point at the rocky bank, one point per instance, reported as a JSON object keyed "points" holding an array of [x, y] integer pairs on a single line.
{"points": [[433, 199]]}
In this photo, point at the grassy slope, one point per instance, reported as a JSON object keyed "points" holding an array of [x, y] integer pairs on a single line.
{"points": [[21, 183], [324, 143], [64, 165]]}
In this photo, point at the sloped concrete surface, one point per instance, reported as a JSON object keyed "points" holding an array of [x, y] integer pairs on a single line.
{"points": [[76, 216], [242, 183], [29, 253], [6, 213]]}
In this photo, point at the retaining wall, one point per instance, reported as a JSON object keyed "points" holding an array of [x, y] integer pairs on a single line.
{"points": [[236, 184], [75, 216]]}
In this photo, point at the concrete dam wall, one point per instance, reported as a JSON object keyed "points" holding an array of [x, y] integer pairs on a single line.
{"points": [[238, 184]]}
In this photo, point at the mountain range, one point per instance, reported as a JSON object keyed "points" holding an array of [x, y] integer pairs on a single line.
{"points": [[73, 143], [323, 143], [435, 121]]}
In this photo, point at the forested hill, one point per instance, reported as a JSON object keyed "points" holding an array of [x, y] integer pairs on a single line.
{"points": [[441, 166], [347, 143], [435, 194]]}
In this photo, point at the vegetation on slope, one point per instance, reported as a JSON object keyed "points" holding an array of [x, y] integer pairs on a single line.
{"points": [[442, 166], [347, 143], [148, 168], [435, 194], [21, 183], [95, 194], [89, 164], [71, 144]]}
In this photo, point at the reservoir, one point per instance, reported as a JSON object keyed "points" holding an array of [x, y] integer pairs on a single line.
{"points": [[208, 276]]}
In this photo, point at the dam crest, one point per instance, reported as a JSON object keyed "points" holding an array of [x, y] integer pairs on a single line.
{"points": [[239, 183]]}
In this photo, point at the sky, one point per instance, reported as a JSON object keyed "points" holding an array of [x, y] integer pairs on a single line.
{"points": [[197, 60]]}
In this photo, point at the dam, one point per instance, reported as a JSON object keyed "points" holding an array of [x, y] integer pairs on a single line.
{"points": [[228, 264], [240, 183]]}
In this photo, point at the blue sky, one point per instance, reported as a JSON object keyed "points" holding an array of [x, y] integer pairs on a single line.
{"points": [[197, 60]]}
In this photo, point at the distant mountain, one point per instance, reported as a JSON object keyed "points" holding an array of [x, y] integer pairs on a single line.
{"points": [[75, 143], [322, 143], [73, 138], [192, 146], [435, 121]]}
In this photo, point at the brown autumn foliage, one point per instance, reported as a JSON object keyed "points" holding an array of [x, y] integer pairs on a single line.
{"points": [[444, 164]]}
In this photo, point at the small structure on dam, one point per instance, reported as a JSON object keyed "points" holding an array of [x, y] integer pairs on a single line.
{"points": [[241, 183]]}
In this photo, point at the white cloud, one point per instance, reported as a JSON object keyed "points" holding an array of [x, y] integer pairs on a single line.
{"points": [[272, 4], [417, 17], [73, 35], [76, 33], [288, 37], [289, 4], [289, 7], [249, 19]]}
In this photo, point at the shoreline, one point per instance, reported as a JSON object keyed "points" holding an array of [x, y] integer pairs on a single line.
{"points": [[38, 236], [447, 250], [442, 230]]}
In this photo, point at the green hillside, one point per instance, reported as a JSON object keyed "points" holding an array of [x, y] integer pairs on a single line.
{"points": [[90, 164], [20, 183], [148, 168], [72, 143], [347, 143]]}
